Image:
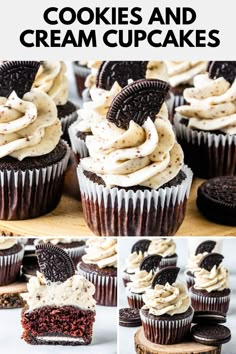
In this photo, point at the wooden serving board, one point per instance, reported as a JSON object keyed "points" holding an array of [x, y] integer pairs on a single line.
{"points": [[143, 346], [67, 219]]}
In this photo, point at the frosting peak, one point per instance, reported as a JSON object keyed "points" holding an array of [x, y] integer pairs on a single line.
{"points": [[6, 243], [133, 261], [215, 280], [164, 247], [140, 281], [101, 252]]}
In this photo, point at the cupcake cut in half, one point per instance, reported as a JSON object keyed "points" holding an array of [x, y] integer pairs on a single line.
{"points": [[60, 306], [33, 159], [134, 182], [206, 126]]}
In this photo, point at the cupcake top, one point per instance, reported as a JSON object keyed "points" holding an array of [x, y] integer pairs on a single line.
{"points": [[101, 251], [28, 126], [193, 262], [133, 261], [140, 281], [157, 70], [203, 249], [51, 78], [139, 149], [56, 241], [211, 104], [167, 299], [183, 72], [6, 243], [75, 291], [95, 110], [166, 247], [211, 275]]}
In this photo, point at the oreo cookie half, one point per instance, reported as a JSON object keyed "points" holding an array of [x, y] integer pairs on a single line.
{"points": [[166, 275], [225, 69], [17, 76], [141, 245], [120, 71], [211, 334], [150, 263], [211, 260], [54, 263], [137, 102], [206, 246], [216, 199]]}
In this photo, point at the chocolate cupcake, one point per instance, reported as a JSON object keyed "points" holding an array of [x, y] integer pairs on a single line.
{"points": [[74, 247], [202, 250], [138, 252], [166, 248], [141, 280], [11, 255], [134, 183], [99, 265], [51, 78], [167, 314], [210, 291], [33, 159], [206, 126]]}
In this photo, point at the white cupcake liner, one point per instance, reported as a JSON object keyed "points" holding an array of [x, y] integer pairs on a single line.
{"points": [[10, 267], [135, 300], [216, 152], [75, 253], [31, 193], [168, 261], [209, 303], [106, 287], [126, 277], [165, 331], [78, 145], [116, 212]]}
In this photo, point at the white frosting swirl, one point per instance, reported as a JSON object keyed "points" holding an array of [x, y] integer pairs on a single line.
{"points": [[140, 281], [28, 126], [194, 260], [183, 72], [215, 280], [6, 243], [212, 105], [133, 261], [75, 291], [164, 247], [51, 78], [147, 155], [101, 252], [167, 299]]}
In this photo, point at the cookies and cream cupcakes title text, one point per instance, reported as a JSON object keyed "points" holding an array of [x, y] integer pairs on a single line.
{"points": [[125, 28]]}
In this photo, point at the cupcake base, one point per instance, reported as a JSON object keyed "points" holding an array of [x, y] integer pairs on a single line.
{"points": [[144, 346], [218, 301], [120, 212], [135, 301], [78, 144]]}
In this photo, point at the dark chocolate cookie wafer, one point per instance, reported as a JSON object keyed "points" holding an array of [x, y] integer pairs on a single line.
{"points": [[225, 69], [141, 246], [54, 263], [211, 334], [206, 246], [120, 71], [137, 102], [211, 260], [208, 317], [129, 317], [216, 199], [150, 263], [166, 275], [17, 76]]}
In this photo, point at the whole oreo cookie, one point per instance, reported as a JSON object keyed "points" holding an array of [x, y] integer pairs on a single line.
{"points": [[211, 334], [150, 262], [129, 317], [216, 199], [211, 260], [208, 317], [120, 71], [225, 69], [141, 246], [166, 275], [54, 263], [17, 76], [137, 102], [206, 246]]}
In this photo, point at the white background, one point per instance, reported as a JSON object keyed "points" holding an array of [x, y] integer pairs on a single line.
{"points": [[126, 335]]}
